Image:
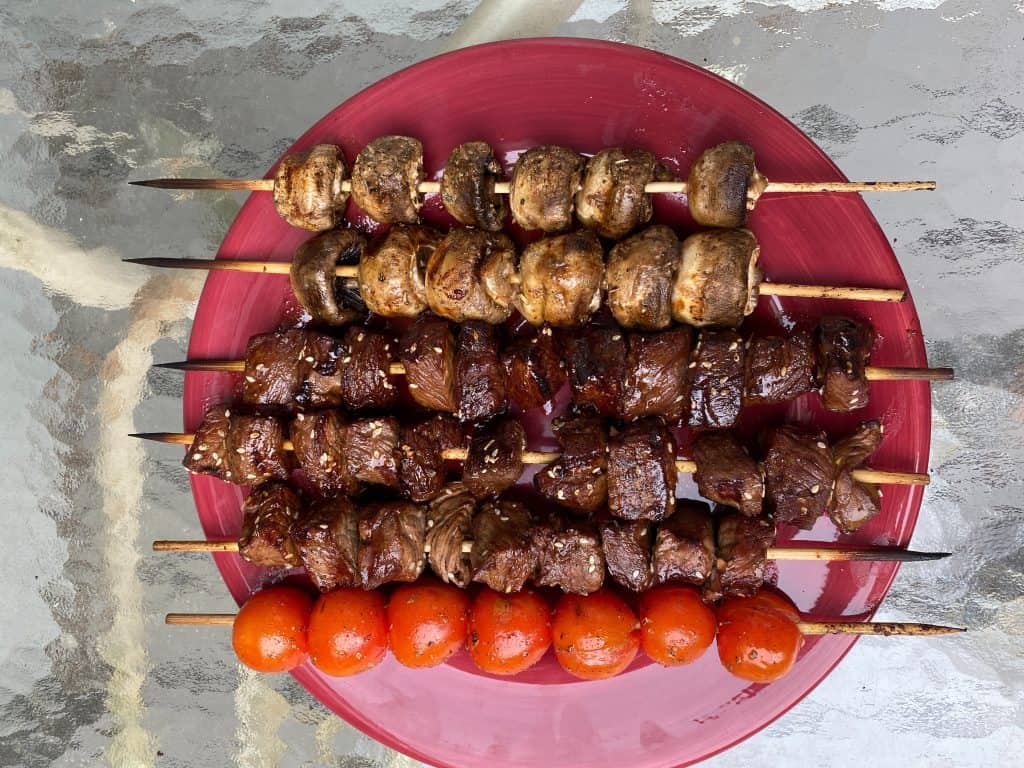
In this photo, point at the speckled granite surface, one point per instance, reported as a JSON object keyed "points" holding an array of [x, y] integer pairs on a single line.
{"points": [[91, 90]]}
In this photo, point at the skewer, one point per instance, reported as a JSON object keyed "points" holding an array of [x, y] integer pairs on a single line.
{"points": [[685, 466]]}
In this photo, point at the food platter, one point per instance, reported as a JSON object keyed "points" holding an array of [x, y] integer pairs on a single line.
{"points": [[588, 95]]}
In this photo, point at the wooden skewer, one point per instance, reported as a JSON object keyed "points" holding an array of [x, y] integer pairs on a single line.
{"points": [[685, 466]]}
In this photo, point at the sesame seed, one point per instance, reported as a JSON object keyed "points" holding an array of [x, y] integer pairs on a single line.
{"points": [[240, 451], [251, 379], [815, 488], [821, 445], [309, 359], [301, 417], [227, 414], [438, 350], [636, 574], [360, 337], [324, 526], [414, 386]]}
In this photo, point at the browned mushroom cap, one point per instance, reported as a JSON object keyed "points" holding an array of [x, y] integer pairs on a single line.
{"points": [[561, 279], [391, 270], [723, 185], [611, 200], [718, 278], [307, 188], [317, 288], [639, 278], [544, 183], [470, 276], [385, 179], [467, 187]]}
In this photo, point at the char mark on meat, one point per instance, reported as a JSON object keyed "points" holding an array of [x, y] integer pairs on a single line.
{"points": [[422, 470], [779, 368], [597, 366], [391, 540], [656, 382], [268, 514], [642, 471], [534, 369], [392, 270], [480, 381], [292, 368], [716, 380], [467, 187], [844, 348], [238, 448], [726, 473]]}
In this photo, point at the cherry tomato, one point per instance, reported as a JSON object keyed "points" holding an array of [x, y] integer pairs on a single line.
{"points": [[596, 635], [758, 636], [427, 622], [270, 633], [508, 633], [676, 625], [348, 631]]}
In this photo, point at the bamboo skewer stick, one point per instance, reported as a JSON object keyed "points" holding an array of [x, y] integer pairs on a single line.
{"points": [[685, 466]]}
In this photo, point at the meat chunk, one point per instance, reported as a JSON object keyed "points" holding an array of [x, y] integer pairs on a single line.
{"points": [[238, 448], [560, 279], [479, 379], [684, 547], [639, 276], [544, 183], [386, 177], [307, 188], [854, 503], [371, 451], [467, 187], [422, 469], [611, 199], [716, 380], [578, 479], [392, 271], [327, 537], [717, 279], [470, 276], [449, 524], [503, 557], [534, 369], [778, 368], [267, 517], [596, 359], [495, 459], [391, 539], [656, 382], [726, 474], [367, 383], [427, 350], [569, 556], [798, 473], [627, 551], [723, 185], [337, 456], [328, 298], [292, 368], [742, 554], [844, 348], [642, 471]]}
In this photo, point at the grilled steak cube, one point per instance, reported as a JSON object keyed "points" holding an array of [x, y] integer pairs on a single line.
{"points": [[267, 517], [479, 379], [319, 445], [534, 370], [367, 383], [327, 537], [503, 557], [642, 471], [292, 368], [391, 539], [238, 448], [427, 349], [844, 348], [422, 469], [778, 368], [716, 389], [627, 551], [495, 459], [854, 503], [726, 473], [656, 382], [597, 367], [798, 473], [742, 554], [578, 479], [684, 547], [371, 451], [569, 556], [449, 524]]}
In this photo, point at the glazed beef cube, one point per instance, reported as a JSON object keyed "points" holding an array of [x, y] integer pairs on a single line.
{"points": [[238, 448], [798, 473], [578, 479], [422, 469], [597, 366], [742, 554], [853, 503], [726, 473], [449, 524], [656, 375], [684, 547], [534, 369], [503, 557], [267, 517], [292, 368], [642, 471], [778, 368], [627, 550], [844, 347], [371, 451], [480, 381], [716, 371], [367, 383], [328, 540], [318, 444], [495, 459], [391, 539], [569, 556], [427, 349]]}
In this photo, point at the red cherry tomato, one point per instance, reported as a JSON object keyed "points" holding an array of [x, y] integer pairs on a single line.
{"points": [[758, 637], [596, 635], [676, 625], [508, 633], [348, 631], [270, 632], [427, 622]]}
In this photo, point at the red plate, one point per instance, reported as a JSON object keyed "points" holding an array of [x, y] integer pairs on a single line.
{"points": [[588, 95]]}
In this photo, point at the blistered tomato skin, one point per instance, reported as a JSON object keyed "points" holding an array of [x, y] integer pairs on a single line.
{"points": [[758, 637], [508, 633], [427, 622], [596, 635], [348, 631], [270, 632], [676, 625]]}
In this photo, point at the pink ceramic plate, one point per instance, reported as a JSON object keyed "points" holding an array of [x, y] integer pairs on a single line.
{"points": [[588, 95]]}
